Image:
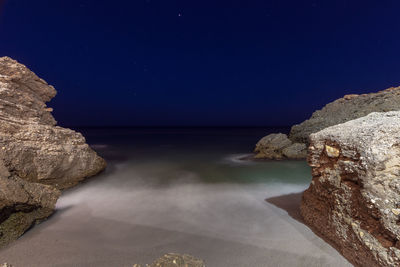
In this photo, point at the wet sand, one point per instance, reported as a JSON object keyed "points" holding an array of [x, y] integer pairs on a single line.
{"points": [[102, 223]]}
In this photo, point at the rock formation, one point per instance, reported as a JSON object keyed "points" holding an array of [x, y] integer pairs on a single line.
{"points": [[278, 146], [348, 108], [344, 109], [34, 148], [354, 197], [37, 158], [175, 260], [23, 204]]}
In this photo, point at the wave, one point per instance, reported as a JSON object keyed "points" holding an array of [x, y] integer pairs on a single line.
{"points": [[239, 159]]}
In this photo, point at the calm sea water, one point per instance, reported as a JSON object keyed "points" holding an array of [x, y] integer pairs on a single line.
{"points": [[206, 155]]}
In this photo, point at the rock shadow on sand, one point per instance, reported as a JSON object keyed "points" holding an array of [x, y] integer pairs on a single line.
{"points": [[290, 203]]}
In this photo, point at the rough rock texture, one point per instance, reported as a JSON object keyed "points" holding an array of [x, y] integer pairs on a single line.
{"points": [[22, 204], [295, 151], [175, 260], [36, 157], [344, 109], [35, 149], [348, 108], [278, 146], [354, 197]]}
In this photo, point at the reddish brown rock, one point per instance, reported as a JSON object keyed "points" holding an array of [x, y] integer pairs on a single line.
{"points": [[354, 197]]}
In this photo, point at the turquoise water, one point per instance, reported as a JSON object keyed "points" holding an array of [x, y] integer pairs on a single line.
{"points": [[214, 155]]}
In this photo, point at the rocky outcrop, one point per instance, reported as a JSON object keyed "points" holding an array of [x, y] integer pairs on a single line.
{"points": [[348, 108], [35, 149], [344, 109], [175, 260], [354, 197], [278, 146], [37, 158]]}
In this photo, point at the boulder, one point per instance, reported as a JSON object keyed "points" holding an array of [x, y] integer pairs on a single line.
{"points": [[175, 260], [37, 158], [354, 198], [295, 151], [278, 146], [270, 146]]}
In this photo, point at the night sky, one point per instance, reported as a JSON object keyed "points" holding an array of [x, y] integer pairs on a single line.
{"points": [[202, 63]]}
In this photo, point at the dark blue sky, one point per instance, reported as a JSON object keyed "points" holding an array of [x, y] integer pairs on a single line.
{"points": [[220, 62]]}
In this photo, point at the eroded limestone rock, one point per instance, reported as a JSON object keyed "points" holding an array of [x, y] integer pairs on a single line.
{"points": [[344, 109], [36, 157], [35, 149], [354, 198]]}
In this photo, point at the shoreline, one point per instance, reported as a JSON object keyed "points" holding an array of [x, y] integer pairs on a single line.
{"points": [[77, 235]]}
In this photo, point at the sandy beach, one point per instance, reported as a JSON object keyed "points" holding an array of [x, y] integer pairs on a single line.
{"points": [[163, 193], [101, 224]]}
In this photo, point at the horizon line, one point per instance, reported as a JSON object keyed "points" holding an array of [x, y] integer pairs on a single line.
{"points": [[173, 126]]}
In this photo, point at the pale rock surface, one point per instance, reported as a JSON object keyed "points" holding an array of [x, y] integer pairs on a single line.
{"points": [[344, 109], [354, 197], [37, 158], [35, 149]]}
